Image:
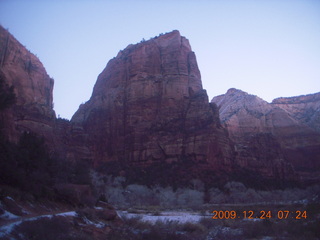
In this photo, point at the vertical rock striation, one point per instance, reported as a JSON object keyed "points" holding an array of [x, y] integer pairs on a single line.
{"points": [[148, 105], [305, 109], [270, 137], [33, 109]]}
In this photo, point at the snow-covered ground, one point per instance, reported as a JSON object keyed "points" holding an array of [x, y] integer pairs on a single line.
{"points": [[8, 215], [181, 217], [7, 229]]}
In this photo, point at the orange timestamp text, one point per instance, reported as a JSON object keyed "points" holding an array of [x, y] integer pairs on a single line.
{"points": [[280, 214]]}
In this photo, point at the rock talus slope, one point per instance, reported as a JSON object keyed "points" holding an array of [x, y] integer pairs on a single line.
{"points": [[148, 105]]}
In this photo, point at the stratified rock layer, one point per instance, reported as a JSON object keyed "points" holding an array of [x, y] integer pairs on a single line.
{"points": [[305, 109], [148, 105], [271, 137]]}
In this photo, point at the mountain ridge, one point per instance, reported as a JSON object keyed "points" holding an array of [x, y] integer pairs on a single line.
{"points": [[148, 107], [247, 116]]}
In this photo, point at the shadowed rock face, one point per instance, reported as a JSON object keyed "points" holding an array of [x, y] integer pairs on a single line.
{"points": [[148, 105], [270, 135], [33, 110]]}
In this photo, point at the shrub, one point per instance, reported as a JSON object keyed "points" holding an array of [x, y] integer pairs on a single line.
{"points": [[7, 95], [116, 196], [166, 196], [189, 198], [139, 195]]}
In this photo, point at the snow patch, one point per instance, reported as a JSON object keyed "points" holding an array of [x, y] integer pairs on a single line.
{"points": [[8, 215], [97, 225], [66, 214], [7, 229], [10, 198], [181, 217]]}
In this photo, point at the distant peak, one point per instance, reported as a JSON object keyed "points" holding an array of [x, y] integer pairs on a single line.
{"points": [[314, 97], [234, 90], [171, 37], [174, 33], [163, 40]]}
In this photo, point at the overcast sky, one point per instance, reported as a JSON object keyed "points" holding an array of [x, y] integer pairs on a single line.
{"points": [[269, 48]]}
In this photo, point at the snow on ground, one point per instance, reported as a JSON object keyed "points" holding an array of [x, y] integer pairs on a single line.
{"points": [[181, 217], [8, 215], [10, 198], [7, 229], [66, 214]]}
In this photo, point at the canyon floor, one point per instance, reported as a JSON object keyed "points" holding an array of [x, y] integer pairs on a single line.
{"points": [[210, 221]]}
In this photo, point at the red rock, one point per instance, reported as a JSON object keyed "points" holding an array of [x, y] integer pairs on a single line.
{"points": [[148, 105], [305, 109], [268, 137], [33, 110]]}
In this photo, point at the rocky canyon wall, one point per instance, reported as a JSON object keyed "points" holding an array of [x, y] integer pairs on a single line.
{"points": [[33, 108], [148, 105], [283, 133]]}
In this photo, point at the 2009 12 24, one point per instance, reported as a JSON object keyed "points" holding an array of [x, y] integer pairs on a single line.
{"points": [[281, 214]]}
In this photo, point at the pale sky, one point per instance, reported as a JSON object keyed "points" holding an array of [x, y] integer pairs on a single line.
{"points": [[269, 48]]}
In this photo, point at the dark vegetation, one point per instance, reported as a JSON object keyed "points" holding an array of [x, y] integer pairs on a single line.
{"points": [[179, 174], [7, 96], [176, 174], [28, 166]]}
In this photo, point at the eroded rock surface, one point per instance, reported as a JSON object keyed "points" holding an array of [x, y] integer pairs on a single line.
{"points": [[148, 105], [271, 137], [33, 109], [305, 109]]}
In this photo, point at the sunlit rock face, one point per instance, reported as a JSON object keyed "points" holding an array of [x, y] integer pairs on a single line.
{"points": [[148, 105], [272, 137], [33, 109], [305, 109]]}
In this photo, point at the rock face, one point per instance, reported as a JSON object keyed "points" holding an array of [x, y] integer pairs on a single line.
{"points": [[148, 105], [304, 109], [33, 109], [272, 137]]}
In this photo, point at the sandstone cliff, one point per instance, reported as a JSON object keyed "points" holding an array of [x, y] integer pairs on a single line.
{"points": [[305, 109], [148, 105], [33, 109], [269, 137]]}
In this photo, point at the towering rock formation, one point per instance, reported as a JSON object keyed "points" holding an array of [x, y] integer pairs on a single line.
{"points": [[33, 109], [148, 106], [270, 137]]}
